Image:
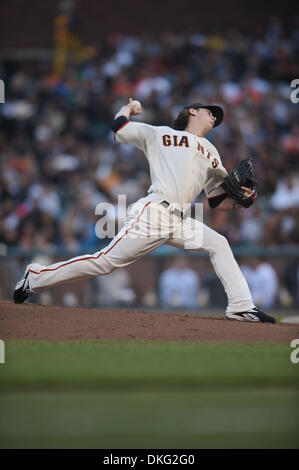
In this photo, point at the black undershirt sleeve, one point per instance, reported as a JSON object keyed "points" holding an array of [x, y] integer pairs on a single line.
{"points": [[118, 123], [215, 201]]}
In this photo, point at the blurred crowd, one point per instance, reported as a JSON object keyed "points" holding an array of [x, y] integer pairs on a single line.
{"points": [[58, 159], [180, 285]]}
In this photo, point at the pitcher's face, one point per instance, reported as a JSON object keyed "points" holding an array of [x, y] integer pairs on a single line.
{"points": [[205, 118]]}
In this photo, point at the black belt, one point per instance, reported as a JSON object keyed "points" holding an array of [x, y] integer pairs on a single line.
{"points": [[175, 211]]}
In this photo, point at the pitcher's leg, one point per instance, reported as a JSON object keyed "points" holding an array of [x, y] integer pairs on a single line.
{"points": [[122, 251], [228, 271], [224, 263]]}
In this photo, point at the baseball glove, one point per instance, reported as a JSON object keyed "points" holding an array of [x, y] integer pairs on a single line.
{"points": [[241, 175]]}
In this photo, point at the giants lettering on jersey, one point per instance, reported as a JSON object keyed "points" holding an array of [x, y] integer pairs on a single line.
{"points": [[174, 140], [214, 161]]}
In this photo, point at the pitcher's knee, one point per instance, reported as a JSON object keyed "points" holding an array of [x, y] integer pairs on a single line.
{"points": [[106, 264]]}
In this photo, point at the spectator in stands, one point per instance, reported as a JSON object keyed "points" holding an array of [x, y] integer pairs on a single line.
{"points": [[287, 193], [263, 282], [179, 285], [115, 289]]}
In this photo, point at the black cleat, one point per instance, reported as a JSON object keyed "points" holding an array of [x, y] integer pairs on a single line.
{"points": [[253, 315], [22, 291]]}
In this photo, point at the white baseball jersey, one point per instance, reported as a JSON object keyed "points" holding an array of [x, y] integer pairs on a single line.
{"points": [[181, 164]]}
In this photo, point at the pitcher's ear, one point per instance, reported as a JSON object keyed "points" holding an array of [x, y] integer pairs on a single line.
{"points": [[192, 111]]}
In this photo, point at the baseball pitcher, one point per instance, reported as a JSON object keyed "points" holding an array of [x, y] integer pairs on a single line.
{"points": [[182, 163]]}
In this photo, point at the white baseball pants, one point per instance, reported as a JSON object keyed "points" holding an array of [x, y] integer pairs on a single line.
{"points": [[149, 225]]}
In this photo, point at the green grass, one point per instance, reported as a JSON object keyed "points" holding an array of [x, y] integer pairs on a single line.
{"points": [[100, 364], [148, 395]]}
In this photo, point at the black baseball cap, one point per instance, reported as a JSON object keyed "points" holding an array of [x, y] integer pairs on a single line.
{"points": [[215, 110]]}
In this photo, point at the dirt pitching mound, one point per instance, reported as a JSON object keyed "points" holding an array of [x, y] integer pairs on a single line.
{"points": [[49, 323]]}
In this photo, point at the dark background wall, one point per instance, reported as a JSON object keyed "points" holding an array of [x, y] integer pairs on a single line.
{"points": [[27, 23]]}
